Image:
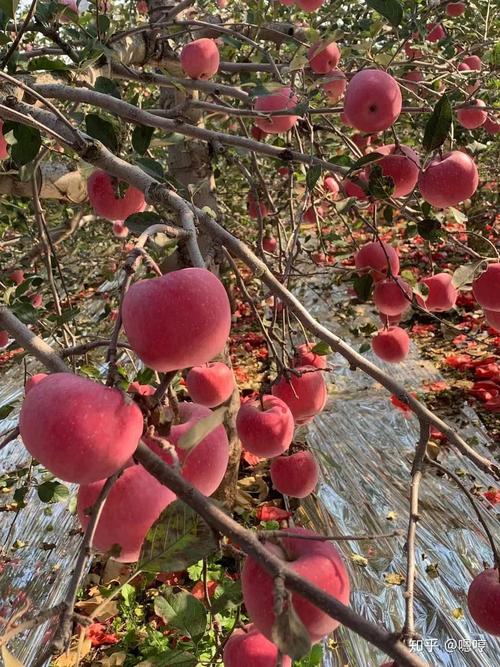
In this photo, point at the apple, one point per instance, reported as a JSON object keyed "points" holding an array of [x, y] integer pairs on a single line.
{"points": [[265, 427], [247, 647], [305, 394], [309, 5], [335, 86], [483, 601], [120, 231], [142, 7], [295, 475], [134, 503], [257, 133], [473, 62], [210, 384], [411, 52], [413, 78], [372, 100], [112, 199], [435, 32], [141, 389], [4, 153], [304, 356], [17, 276], [491, 125], [269, 244], [402, 164], [178, 320], [281, 100], [256, 209], [80, 430], [200, 59], [442, 294], [70, 4], [4, 338], [314, 214], [376, 256], [472, 116], [33, 381], [36, 300], [486, 288], [353, 189], [455, 9], [392, 344], [492, 318], [323, 57], [449, 180], [331, 185], [316, 561], [392, 296]]}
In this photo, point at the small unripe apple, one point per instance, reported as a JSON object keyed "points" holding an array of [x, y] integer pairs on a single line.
{"points": [[483, 601], [486, 288], [392, 344], [4, 338], [200, 59], [472, 116], [304, 356], [210, 384], [323, 57], [265, 427], [449, 180], [392, 296], [372, 100], [375, 256], [247, 647], [281, 100], [305, 394], [112, 199], [295, 475], [435, 32], [455, 9], [4, 153], [335, 86]]}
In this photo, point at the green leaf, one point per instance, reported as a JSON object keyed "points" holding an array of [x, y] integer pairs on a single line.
{"points": [[184, 612], [380, 186], [52, 492], [103, 130], [227, 595], [151, 167], [290, 635], [438, 125], [429, 229], [362, 286], [128, 594], [314, 659], [341, 160], [364, 347], [321, 348], [312, 176], [141, 138], [8, 8], [5, 410], [27, 144], [366, 159], [138, 222], [201, 429], [25, 312], [107, 86], [47, 64], [178, 539], [390, 9], [174, 659], [466, 273]]}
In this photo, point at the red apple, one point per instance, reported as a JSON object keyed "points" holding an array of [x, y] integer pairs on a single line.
{"points": [[491, 126], [178, 320], [376, 256], [473, 62], [304, 394], [449, 180], [112, 199], [309, 5], [257, 133], [323, 57], [335, 86], [33, 381], [486, 288], [78, 429], [402, 164], [120, 231], [472, 116], [210, 384], [200, 59], [392, 296], [281, 100], [442, 294], [304, 356], [483, 601], [265, 427], [17, 276], [295, 475], [256, 209], [435, 32], [318, 562], [4, 153], [269, 244], [492, 318], [313, 214], [353, 189], [4, 338], [331, 185], [372, 100], [413, 78], [247, 647], [455, 9], [392, 344]]}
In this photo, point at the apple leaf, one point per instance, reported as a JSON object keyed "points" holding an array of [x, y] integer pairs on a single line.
{"points": [[103, 130], [438, 125], [466, 273], [390, 9], [182, 611], [429, 229], [290, 635], [366, 159], [322, 349], [201, 429], [141, 138], [312, 176]]}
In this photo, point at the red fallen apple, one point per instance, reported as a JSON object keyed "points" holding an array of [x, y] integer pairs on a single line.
{"points": [[210, 384], [134, 503], [203, 466], [112, 199], [335, 86], [256, 209], [318, 562], [435, 32], [323, 57], [247, 647], [472, 116], [331, 186], [372, 100], [402, 164], [281, 100], [178, 320], [392, 344], [269, 244], [295, 475], [200, 59], [304, 394], [4, 153], [455, 9], [486, 287], [4, 338], [33, 380], [442, 294], [265, 427], [449, 180], [376, 256], [483, 601], [304, 356], [392, 296], [492, 318], [78, 429]]}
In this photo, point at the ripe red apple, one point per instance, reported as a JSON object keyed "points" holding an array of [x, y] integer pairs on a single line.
{"points": [[449, 180], [256, 209], [205, 464], [309, 5], [318, 562], [318, 258], [353, 189], [435, 32], [281, 100], [392, 296], [4, 338], [392, 344], [295, 475], [402, 164], [17, 276], [335, 86], [375, 256], [313, 214], [247, 647], [483, 601], [4, 153], [257, 133], [413, 78], [491, 126], [331, 185], [178, 320], [33, 381], [112, 199], [200, 59], [141, 389], [304, 356], [269, 243], [304, 394], [142, 7], [120, 231], [455, 9], [486, 287], [78, 429], [472, 116], [492, 318], [442, 294], [210, 384], [323, 57], [411, 52], [391, 320], [265, 427], [473, 62], [134, 503], [372, 100], [36, 300], [72, 5]]}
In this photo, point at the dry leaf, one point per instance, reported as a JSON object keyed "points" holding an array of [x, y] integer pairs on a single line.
{"points": [[70, 659], [359, 560], [394, 578]]}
